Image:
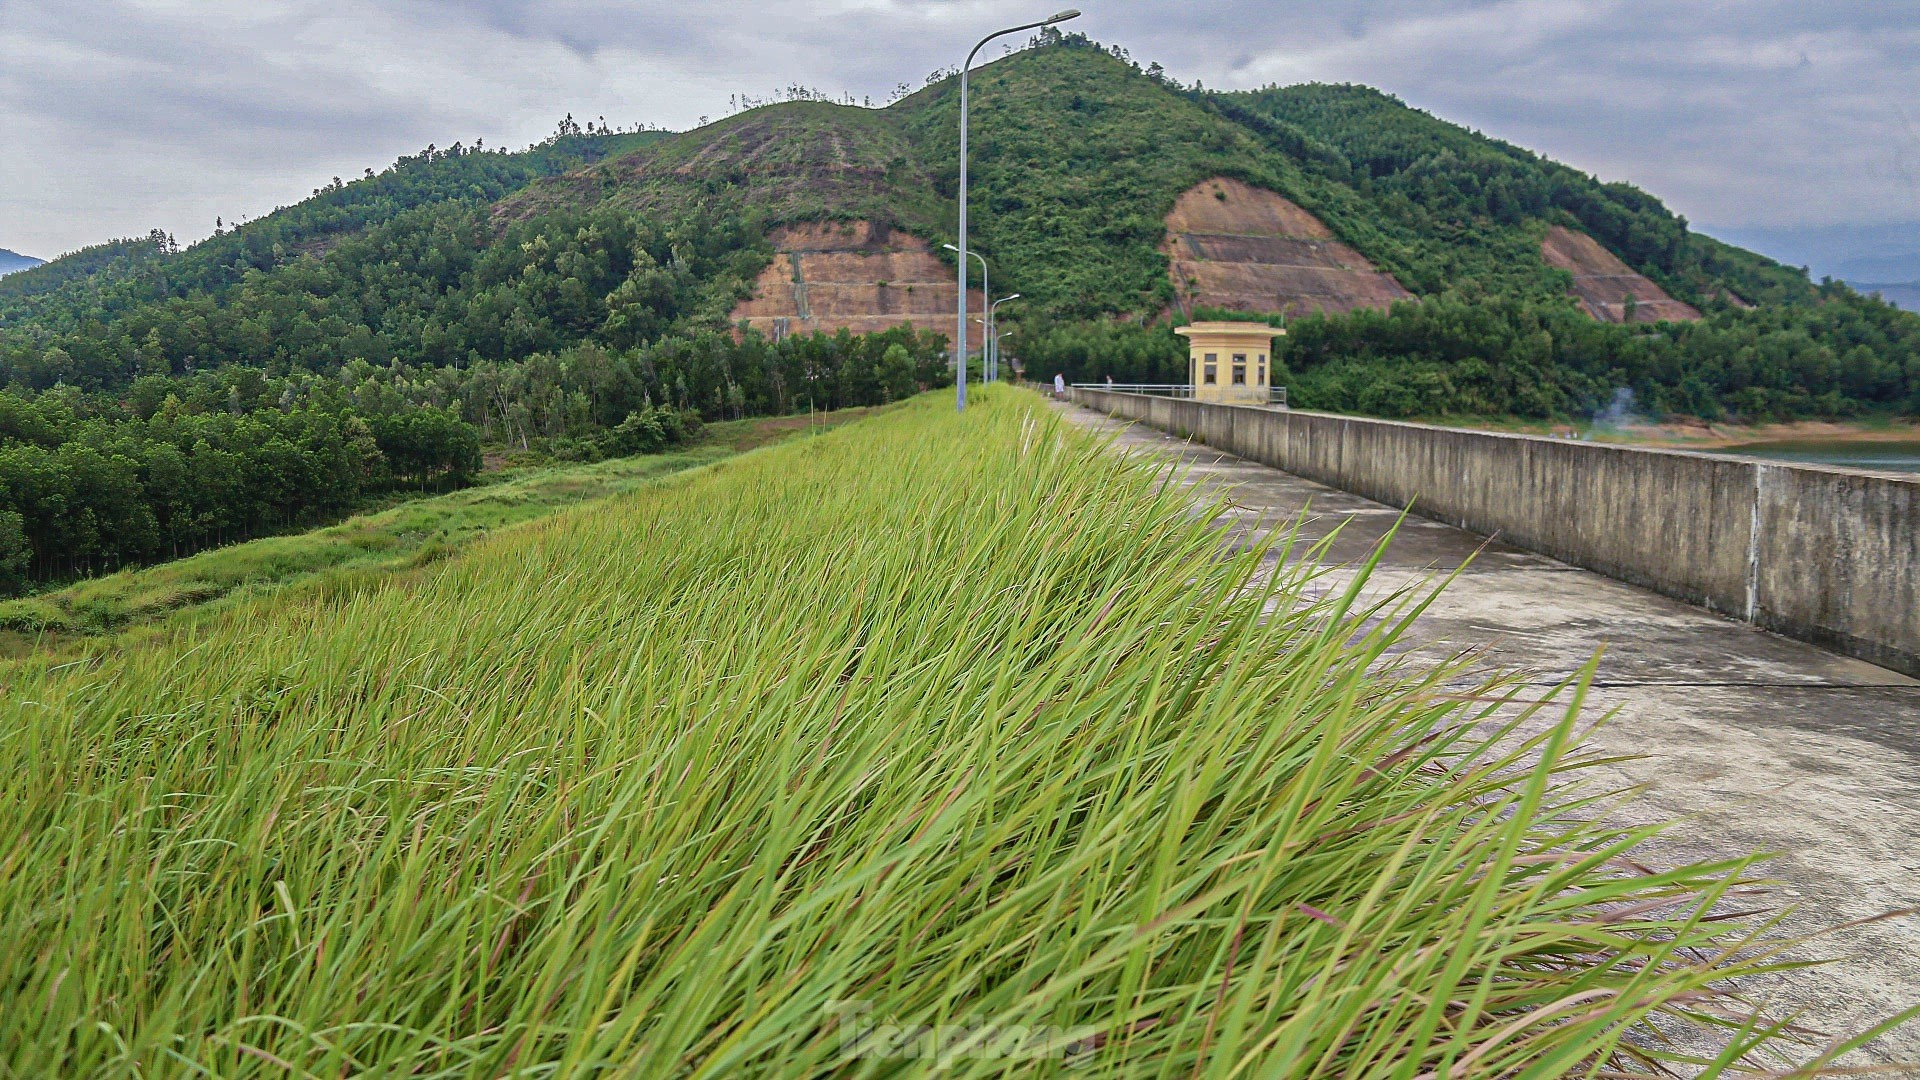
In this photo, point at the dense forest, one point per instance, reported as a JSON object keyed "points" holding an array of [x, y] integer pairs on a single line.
{"points": [[1837, 355], [572, 298], [92, 485], [169, 464]]}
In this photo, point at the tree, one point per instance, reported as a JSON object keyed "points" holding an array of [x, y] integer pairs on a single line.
{"points": [[896, 374], [16, 554]]}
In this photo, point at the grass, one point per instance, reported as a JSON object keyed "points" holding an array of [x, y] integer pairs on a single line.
{"points": [[942, 722], [370, 545]]}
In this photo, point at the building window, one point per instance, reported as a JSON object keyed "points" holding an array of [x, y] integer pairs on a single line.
{"points": [[1211, 369], [1239, 369], [1263, 369]]}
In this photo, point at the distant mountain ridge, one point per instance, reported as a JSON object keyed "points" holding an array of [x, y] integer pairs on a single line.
{"points": [[11, 261], [1888, 252], [1882, 260], [1901, 294]]}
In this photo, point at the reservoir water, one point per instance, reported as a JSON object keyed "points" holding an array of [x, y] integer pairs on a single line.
{"points": [[1890, 456]]}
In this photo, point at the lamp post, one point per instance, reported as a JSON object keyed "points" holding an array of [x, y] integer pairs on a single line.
{"points": [[993, 339], [990, 340], [960, 328], [961, 367]]}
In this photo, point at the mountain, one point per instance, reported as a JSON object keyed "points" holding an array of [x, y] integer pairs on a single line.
{"points": [[1112, 199], [1876, 260], [1884, 252], [1080, 159], [11, 261], [1904, 295]]}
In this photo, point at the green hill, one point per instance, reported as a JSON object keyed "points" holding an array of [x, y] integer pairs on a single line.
{"points": [[544, 298], [1078, 158]]}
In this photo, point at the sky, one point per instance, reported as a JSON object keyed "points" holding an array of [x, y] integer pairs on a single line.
{"points": [[120, 116]]}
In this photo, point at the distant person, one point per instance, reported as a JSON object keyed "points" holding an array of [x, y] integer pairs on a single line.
{"points": [[1059, 387], [1109, 382]]}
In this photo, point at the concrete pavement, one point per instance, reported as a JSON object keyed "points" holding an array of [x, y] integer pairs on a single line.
{"points": [[1751, 741]]}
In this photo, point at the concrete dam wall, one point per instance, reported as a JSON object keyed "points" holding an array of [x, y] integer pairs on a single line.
{"points": [[1825, 555]]}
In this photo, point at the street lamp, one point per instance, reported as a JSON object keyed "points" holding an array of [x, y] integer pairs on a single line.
{"points": [[960, 329], [993, 339], [984, 289], [990, 360]]}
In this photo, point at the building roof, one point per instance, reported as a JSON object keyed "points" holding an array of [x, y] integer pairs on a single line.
{"points": [[1229, 329]]}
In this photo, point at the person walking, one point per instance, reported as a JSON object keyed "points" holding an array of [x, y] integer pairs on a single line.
{"points": [[1059, 387]]}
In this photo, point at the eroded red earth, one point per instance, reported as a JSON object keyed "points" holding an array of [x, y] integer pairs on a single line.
{"points": [[1232, 245], [852, 274]]}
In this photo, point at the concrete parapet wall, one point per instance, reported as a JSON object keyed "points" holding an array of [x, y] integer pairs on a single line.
{"points": [[1830, 556]]}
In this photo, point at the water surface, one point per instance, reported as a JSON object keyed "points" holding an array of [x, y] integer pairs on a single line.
{"points": [[1901, 455]]}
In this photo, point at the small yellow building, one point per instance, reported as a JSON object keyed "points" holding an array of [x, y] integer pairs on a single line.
{"points": [[1229, 361]]}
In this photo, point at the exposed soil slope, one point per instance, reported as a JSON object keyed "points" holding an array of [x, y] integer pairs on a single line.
{"points": [[1604, 285], [1232, 245], [857, 275]]}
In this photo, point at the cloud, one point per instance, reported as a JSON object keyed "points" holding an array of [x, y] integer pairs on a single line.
{"points": [[117, 116]]}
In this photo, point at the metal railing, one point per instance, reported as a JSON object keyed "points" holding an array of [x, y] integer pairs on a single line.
{"points": [[1179, 390], [1276, 395]]}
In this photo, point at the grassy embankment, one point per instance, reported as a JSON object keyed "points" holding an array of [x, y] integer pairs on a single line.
{"points": [[959, 722], [365, 547]]}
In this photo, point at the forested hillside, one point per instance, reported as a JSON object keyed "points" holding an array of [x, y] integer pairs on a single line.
{"points": [[577, 297]]}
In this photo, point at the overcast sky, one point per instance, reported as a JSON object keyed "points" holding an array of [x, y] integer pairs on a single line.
{"points": [[118, 116]]}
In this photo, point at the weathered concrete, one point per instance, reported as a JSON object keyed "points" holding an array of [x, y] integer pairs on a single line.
{"points": [[1830, 556], [1749, 741]]}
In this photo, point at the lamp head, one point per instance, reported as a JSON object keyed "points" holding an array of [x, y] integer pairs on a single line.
{"points": [[1070, 13], [949, 247]]}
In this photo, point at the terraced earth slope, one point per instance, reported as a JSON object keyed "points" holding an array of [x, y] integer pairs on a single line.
{"points": [[1232, 245], [861, 276], [1607, 288]]}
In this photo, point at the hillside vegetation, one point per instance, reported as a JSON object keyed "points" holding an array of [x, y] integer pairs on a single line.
{"points": [[785, 768], [545, 298]]}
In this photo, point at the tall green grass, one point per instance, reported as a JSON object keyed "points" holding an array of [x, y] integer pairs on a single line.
{"points": [[935, 740]]}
